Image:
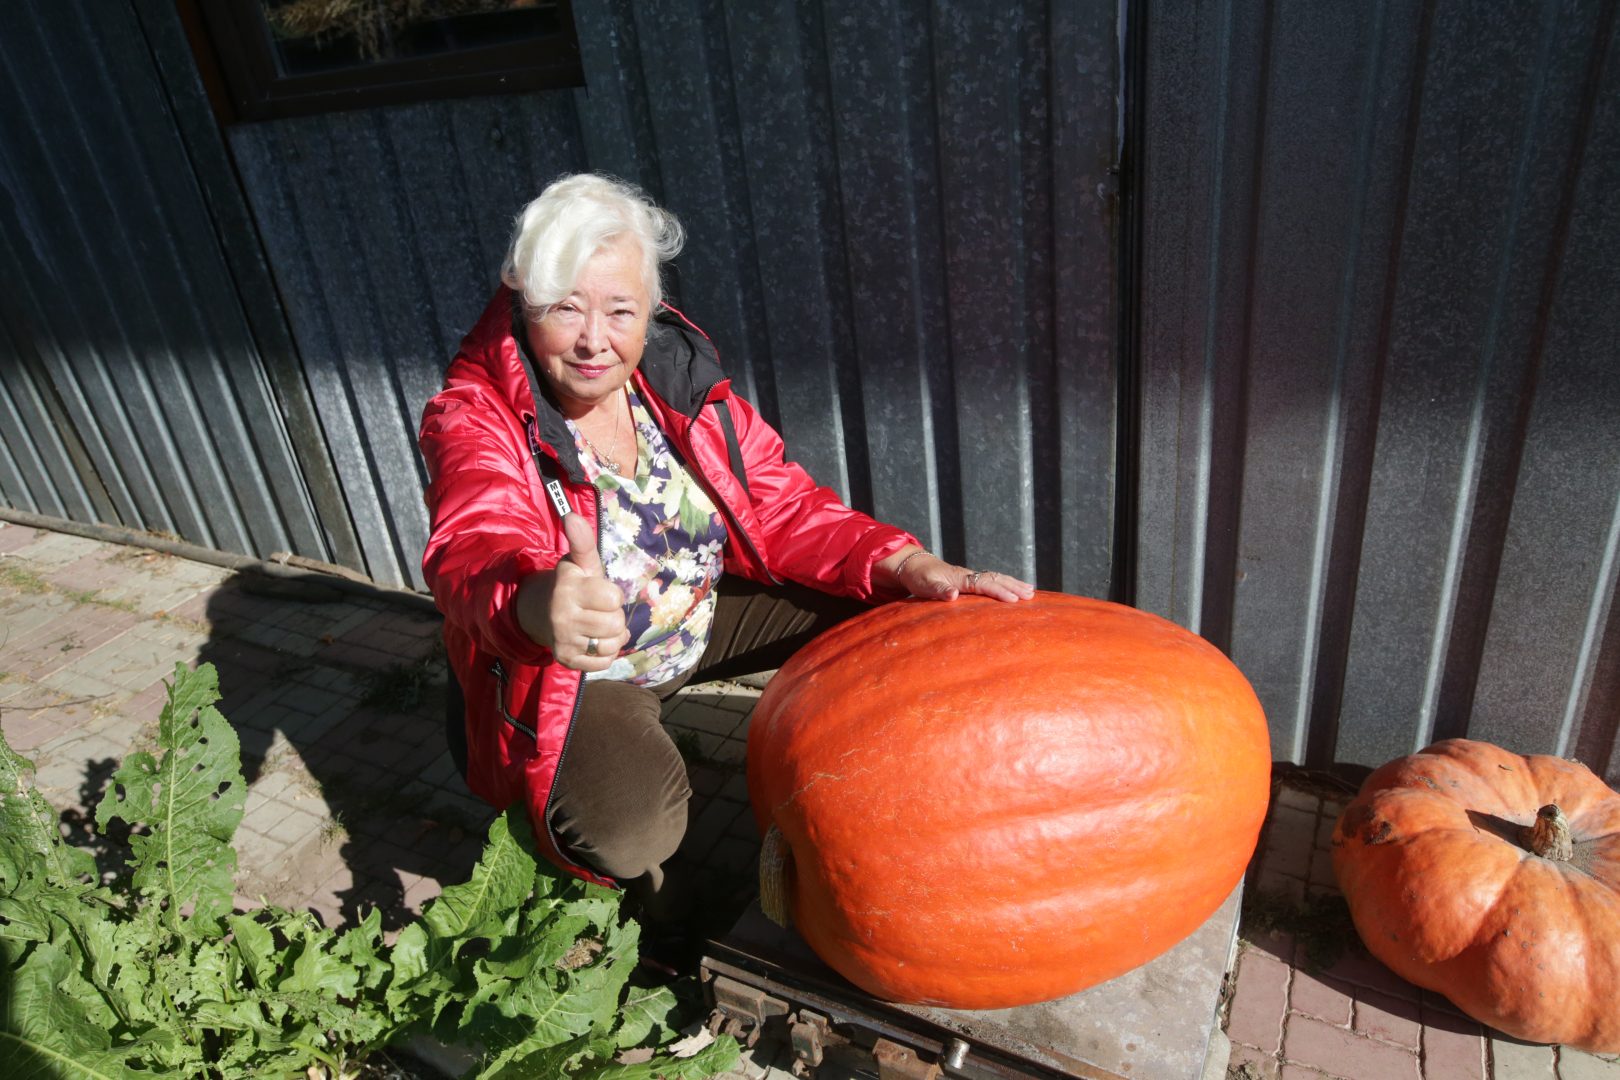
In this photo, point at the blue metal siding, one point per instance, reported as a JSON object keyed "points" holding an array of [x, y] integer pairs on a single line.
{"points": [[849, 174], [1379, 396], [124, 334], [1372, 449]]}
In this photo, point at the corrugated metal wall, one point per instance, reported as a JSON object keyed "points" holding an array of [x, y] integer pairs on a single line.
{"points": [[1370, 439], [1380, 422], [897, 241], [133, 388]]}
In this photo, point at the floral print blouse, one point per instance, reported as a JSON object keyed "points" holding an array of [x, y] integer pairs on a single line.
{"points": [[661, 542]]}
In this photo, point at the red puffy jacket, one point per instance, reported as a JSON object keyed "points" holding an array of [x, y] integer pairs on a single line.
{"points": [[487, 441]]}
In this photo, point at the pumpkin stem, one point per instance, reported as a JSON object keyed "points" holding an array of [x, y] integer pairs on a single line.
{"points": [[775, 859], [1549, 836]]}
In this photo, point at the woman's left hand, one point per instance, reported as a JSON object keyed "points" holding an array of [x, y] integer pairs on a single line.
{"points": [[929, 577]]}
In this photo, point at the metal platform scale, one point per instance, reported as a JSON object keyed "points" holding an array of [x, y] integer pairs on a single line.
{"points": [[1153, 1023]]}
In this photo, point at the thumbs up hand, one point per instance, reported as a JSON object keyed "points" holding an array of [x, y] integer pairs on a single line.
{"points": [[574, 610]]}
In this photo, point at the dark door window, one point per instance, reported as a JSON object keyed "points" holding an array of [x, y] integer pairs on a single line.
{"points": [[293, 57]]}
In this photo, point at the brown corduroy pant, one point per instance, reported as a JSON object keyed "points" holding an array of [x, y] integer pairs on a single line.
{"points": [[620, 798]]}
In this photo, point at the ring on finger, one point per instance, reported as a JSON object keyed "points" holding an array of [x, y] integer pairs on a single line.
{"points": [[590, 647], [973, 579]]}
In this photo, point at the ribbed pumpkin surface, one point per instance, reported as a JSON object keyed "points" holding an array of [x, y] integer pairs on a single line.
{"points": [[1448, 887], [991, 804]]}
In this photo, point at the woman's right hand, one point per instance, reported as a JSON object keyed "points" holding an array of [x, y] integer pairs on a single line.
{"points": [[568, 608]]}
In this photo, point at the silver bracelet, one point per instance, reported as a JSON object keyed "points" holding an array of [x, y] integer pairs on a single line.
{"points": [[908, 558]]}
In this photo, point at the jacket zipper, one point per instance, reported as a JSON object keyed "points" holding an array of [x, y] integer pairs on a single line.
{"points": [[498, 670], [573, 717]]}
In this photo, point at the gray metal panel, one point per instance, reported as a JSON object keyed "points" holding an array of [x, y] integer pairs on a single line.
{"points": [[921, 297], [1379, 402], [1560, 565], [43, 467], [121, 304], [384, 230]]}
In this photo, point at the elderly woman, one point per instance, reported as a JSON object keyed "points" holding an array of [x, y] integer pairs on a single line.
{"points": [[611, 521]]}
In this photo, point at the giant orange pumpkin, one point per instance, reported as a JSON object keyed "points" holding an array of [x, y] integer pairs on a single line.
{"points": [[983, 805], [1493, 879]]}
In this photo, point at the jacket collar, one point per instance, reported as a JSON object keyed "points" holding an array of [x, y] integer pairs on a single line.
{"points": [[679, 365]]}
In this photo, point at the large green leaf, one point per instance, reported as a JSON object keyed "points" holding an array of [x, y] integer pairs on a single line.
{"points": [[524, 1061], [256, 947], [138, 942], [646, 1017], [718, 1057], [44, 1031], [315, 968], [191, 799], [500, 882], [29, 833], [359, 946]]}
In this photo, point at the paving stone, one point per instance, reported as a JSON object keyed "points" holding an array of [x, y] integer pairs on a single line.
{"points": [[66, 640], [1295, 799], [420, 892], [1437, 1002], [743, 827], [1260, 1066], [1300, 1072], [441, 771], [334, 679], [311, 700], [1323, 999], [1453, 1048], [709, 825], [701, 717], [1579, 1065], [1260, 1002], [1322, 871], [14, 537], [153, 582], [133, 660], [408, 649], [350, 654], [26, 615], [1287, 890], [1324, 832], [88, 574], [289, 825], [1340, 1052], [732, 856], [706, 779], [52, 549], [276, 785], [27, 731], [1514, 1060], [1390, 1018], [1356, 965], [1289, 838], [1275, 942], [416, 625], [256, 853], [722, 750]]}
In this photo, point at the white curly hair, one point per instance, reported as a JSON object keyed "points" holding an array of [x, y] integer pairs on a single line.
{"points": [[574, 218]]}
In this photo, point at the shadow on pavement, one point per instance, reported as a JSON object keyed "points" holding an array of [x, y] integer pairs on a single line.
{"points": [[338, 701]]}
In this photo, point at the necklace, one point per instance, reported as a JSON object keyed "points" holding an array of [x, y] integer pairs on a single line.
{"points": [[607, 460]]}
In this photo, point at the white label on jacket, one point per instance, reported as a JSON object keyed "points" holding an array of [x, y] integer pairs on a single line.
{"points": [[558, 499]]}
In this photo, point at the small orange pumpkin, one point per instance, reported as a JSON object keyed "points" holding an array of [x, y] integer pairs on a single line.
{"points": [[984, 805], [1494, 879]]}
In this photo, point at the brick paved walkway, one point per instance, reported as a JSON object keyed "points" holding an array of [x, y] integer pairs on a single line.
{"points": [[353, 801], [1347, 1015]]}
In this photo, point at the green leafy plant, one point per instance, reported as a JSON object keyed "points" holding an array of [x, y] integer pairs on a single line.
{"points": [[160, 977]]}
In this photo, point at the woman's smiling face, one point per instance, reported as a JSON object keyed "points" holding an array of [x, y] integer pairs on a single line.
{"points": [[590, 341]]}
